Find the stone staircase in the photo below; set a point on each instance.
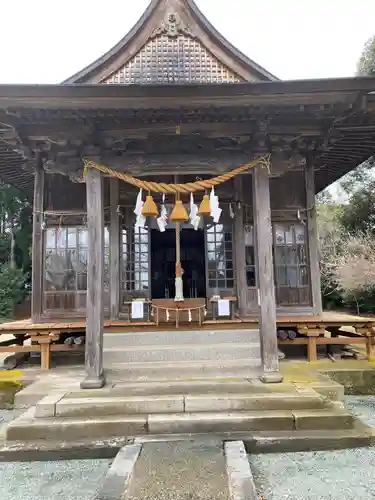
(181, 355)
(156, 408)
(177, 383)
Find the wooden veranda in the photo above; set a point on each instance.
(330, 328)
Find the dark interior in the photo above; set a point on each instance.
(163, 260)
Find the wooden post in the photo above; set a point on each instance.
(313, 238)
(266, 286)
(95, 282)
(37, 243)
(114, 249)
(239, 249)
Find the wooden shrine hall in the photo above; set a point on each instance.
(175, 104)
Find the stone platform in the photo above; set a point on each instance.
(303, 412)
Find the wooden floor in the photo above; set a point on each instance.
(331, 328)
(327, 319)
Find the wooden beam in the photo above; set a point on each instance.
(266, 286)
(114, 249)
(37, 243)
(95, 282)
(239, 249)
(313, 237)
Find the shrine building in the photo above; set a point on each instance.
(169, 117)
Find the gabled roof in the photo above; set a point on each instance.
(165, 21)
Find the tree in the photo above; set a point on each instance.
(353, 269)
(13, 220)
(359, 213)
(366, 63)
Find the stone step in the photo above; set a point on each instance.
(184, 370)
(173, 337)
(29, 428)
(178, 403)
(177, 387)
(182, 352)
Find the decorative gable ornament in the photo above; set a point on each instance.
(172, 26)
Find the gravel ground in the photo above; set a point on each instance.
(335, 475)
(65, 480)
(62, 480)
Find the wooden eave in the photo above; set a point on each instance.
(350, 101)
(293, 92)
(143, 30)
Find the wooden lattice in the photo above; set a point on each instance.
(180, 59)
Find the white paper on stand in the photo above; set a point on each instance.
(137, 309)
(223, 307)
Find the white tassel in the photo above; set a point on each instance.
(162, 221)
(167, 315)
(215, 209)
(139, 204)
(140, 220)
(231, 211)
(190, 317)
(205, 312)
(193, 216)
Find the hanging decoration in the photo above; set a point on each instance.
(205, 207)
(162, 221)
(215, 209)
(193, 216)
(179, 213)
(149, 208)
(208, 206)
(231, 211)
(140, 219)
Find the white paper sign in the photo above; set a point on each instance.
(223, 307)
(137, 309)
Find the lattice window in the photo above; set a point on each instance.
(135, 263)
(180, 59)
(65, 267)
(220, 257)
(291, 263)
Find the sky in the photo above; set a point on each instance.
(46, 42)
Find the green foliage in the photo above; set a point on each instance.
(359, 213)
(12, 289)
(366, 64)
(15, 244)
(359, 177)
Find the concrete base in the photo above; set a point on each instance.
(271, 378)
(93, 382)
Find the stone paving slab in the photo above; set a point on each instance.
(180, 470)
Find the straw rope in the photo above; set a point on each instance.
(189, 187)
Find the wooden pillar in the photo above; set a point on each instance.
(266, 286)
(37, 243)
(240, 253)
(114, 249)
(95, 282)
(313, 238)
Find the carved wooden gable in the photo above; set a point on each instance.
(173, 55)
(172, 43)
